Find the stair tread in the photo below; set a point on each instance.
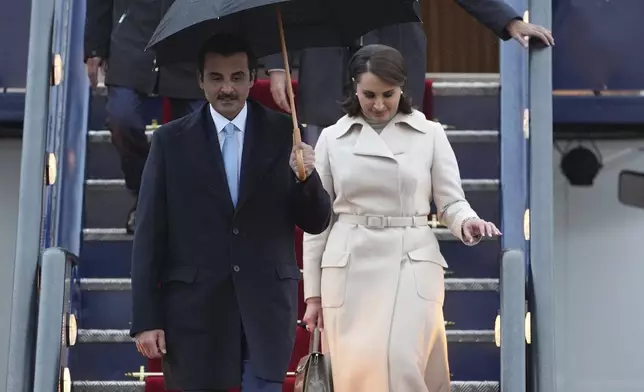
(139, 386)
(483, 184)
(451, 284)
(123, 336)
(465, 88)
(102, 136)
(116, 234)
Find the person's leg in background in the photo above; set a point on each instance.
(127, 127)
(183, 107)
(311, 133)
(132, 145)
(320, 91)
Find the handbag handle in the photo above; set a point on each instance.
(316, 336)
(314, 343)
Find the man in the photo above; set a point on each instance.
(116, 34)
(322, 70)
(216, 217)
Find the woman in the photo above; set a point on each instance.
(373, 281)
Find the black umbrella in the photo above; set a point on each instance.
(268, 25)
(307, 23)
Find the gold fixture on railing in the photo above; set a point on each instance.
(51, 169)
(526, 225)
(72, 330)
(434, 223)
(57, 70)
(497, 330)
(65, 382)
(527, 329)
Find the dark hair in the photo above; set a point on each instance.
(227, 44)
(383, 61)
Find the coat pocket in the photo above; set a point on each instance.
(184, 297)
(428, 265)
(180, 273)
(333, 287)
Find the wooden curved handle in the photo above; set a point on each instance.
(297, 136)
(301, 172)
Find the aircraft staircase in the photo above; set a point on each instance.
(104, 357)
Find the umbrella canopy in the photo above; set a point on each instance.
(307, 23)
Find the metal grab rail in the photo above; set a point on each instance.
(57, 325)
(28, 244)
(513, 321)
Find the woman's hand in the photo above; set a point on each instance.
(313, 314)
(476, 228)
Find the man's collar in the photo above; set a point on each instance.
(239, 121)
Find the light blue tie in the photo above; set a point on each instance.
(230, 151)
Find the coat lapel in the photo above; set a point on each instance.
(369, 142)
(391, 141)
(396, 134)
(202, 147)
(261, 148)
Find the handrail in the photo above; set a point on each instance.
(542, 280)
(55, 319)
(24, 297)
(56, 122)
(513, 315)
(71, 143)
(513, 143)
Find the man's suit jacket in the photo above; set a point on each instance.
(119, 31)
(322, 72)
(221, 268)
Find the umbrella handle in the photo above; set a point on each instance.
(299, 157)
(297, 136)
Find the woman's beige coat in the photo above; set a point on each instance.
(382, 289)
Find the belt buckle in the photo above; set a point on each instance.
(375, 221)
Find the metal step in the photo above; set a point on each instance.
(468, 184)
(139, 386)
(94, 234)
(123, 336)
(125, 284)
(463, 76)
(469, 88)
(455, 136)
(472, 136)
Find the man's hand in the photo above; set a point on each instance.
(151, 344)
(93, 64)
(278, 89)
(308, 156)
(522, 32)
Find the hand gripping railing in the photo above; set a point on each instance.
(513, 321)
(56, 323)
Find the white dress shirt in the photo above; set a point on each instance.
(239, 121)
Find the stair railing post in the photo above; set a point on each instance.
(513, 313)
(542, 208)
(513, 138)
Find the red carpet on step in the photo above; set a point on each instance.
(261, 92)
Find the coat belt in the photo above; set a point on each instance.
(382, 222)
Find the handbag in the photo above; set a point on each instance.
(313, 373)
